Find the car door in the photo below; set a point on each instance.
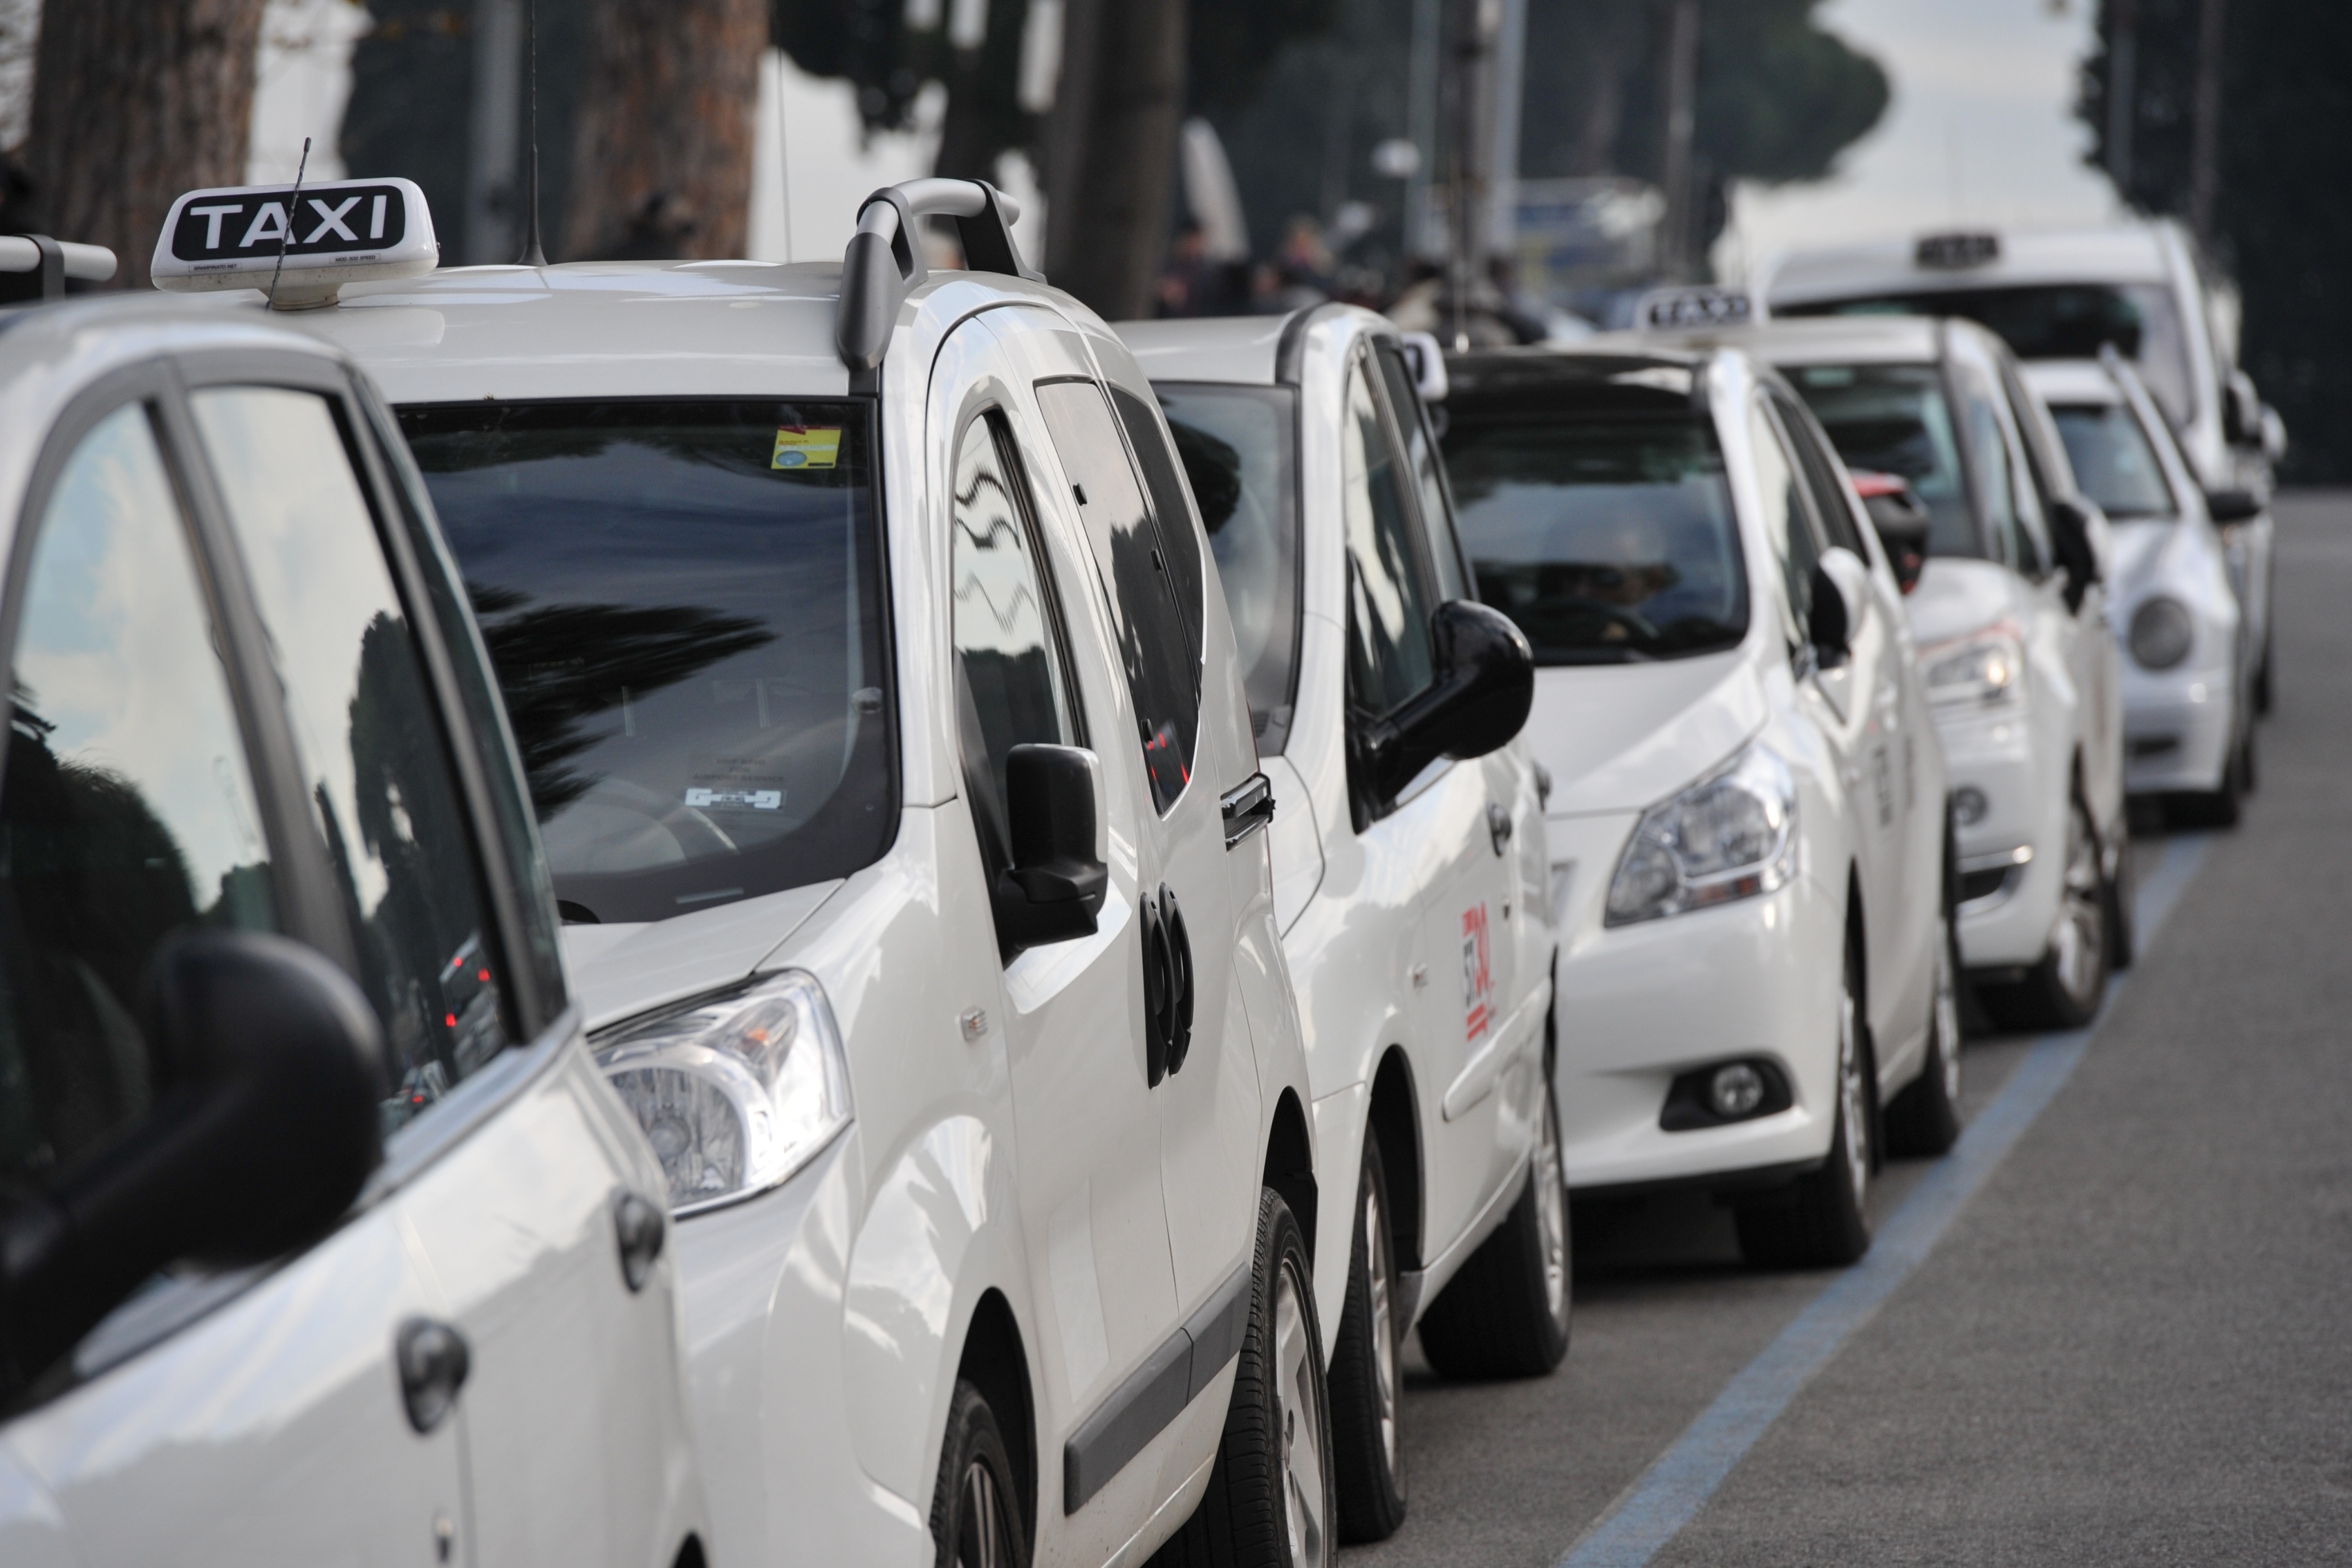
(139, 801)
(539, 1226)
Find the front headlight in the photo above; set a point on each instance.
(1986, 669)
(2162, 632)
(1730, 836)
(736, 1093)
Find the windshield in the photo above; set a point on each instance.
(2113, 461)
(1237, 444)
(2058, 320)
(1606, 537)
(1895, 419)
(682, 600)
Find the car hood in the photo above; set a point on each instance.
(1617, 737)
(1958, 596)
(620, 970)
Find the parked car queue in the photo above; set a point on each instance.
(808, 1054)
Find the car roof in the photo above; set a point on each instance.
(2076, 381)
(2117, 253)
(1843, 339)
(1631, 373)
(1242, 349)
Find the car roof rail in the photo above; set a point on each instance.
(885, 260)
(55, 260)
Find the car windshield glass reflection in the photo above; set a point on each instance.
(1895, 419)
(2057, 321)
(2113, 461)
(1606, 538)
(682, 603)
(1236, 446)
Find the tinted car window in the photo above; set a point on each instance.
(1011, 688)
(1897, 419)
(1428, 477)
(1239, 446)
(1178, 542)
(2059, 321)
(1831, 507)
(683, 602)
(1389, 657)
(126, 809)
(1785, 521)
(374, 761)
(2113, 461)
(1161, 675)
(1607, 537)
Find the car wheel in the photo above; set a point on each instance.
(2220, 807)
(1823, 1220)
(2262, 677)
(976, 1509)
(1369, 1460)
(1925, 1119)
(2123, 938)
(2064, 990)
(1269, 1502)
(1507, 1314)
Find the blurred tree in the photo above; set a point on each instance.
(2279, 223)
(133, 102)
(662, 155)
(1110, 149)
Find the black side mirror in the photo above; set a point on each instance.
(1829, 625)
(2226, 507)
(1485, 685)
(2070, 539)
(266, 1125)
(1053, 889)
(2241, 410)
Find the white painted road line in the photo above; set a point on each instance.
(1670, 1493)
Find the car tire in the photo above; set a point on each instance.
(1508, 1313)
(1367, 1389)
(2262, 677)
(2064, 990)
(1925, 1119)
(1269, 1502)
(976, 1507)
(1823, 1220)
(2218, 809)
(2123, 936)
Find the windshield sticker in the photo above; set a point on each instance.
(806, 447)
(1477, 974)
(752, 799)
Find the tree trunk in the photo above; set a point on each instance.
(1111, 150)
(664, 162)
(133, 102)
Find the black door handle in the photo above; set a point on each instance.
(1167, 987)
(640, 1227)
(1180, 975)
(433, 1360)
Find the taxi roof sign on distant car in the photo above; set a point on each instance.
(1957, 252)
(330, 234)
(1702, 306)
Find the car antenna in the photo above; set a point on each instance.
(293, 205)
(533, 254)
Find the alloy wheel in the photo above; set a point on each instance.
(1298, 1387)
(1948, 1011)
(980, 1523)
(1853, 1103)
(1552, 1212)
(1383, 1325)
(2079, 945)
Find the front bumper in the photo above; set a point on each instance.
(2176, 733)
(2018, 847)
(1638, 1003)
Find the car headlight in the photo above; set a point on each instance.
(736, 1093)
(2162, 632)
(1985, 669)
(1730, 836)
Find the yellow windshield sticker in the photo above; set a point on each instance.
(807, 446)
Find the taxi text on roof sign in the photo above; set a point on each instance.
(1698, 306)
(330, 234)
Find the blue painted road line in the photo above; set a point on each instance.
(1670, 1494)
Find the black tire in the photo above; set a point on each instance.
(1269, 1502)
(2262, 677)
(2220, 807)
(2064, 990)
(2123, 935)
(1508, 1314)
(975, 1506)
(1368, 1453)
(1823, 1220)
(1925, 1119)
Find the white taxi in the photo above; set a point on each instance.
(887, 740)
(316, 1208)
(2010, 614)
(1751, 869)
(1409, 861)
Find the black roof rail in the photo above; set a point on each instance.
(885, 259)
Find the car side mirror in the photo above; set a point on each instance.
(1426, 360)
(1485, 687)
(266, 1125)
(2070, 540)
(1053, 889)
(2241, 410)
(2226, 507)
(1840, 588)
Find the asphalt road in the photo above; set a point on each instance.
(2121, 1334)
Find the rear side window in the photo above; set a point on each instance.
(126, 812)
(1153, 638)
(375, 764)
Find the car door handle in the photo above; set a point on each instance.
(640, 1227)
(1499, 827)
(1246, 807)
(433, 1360)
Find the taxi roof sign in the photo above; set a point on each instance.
(1664, 310)
(331, 234)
